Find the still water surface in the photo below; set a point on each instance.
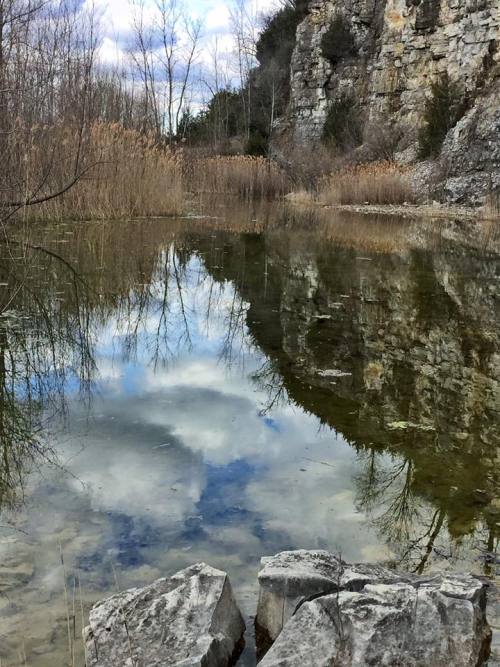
(221, 390)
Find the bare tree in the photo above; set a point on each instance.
(142, 56)
(47, 57)
(163, 53)
(179, 37)
(245, 30)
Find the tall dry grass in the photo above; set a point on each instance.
(491, 209)
(132, 176)
(127, 175)
(377, 183)
(242, 175)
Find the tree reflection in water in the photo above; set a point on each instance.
(405, 520)
(58, 293)
(45, 342)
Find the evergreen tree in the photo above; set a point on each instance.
(443, 110)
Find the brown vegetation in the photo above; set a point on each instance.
(245, 176)
(79, 141)
(491, 210)
(377, 183)
(128, 175)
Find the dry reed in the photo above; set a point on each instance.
(127, 174)
(132, 176)
(377, 183)
(491, 209)
(245, 176)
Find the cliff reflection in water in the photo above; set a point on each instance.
(398, 352)
(223, 389)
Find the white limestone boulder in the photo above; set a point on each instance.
(291, 577)
(387, 621)
(188, 620)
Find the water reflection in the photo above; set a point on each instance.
(219, 391)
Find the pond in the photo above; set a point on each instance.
(220, 389)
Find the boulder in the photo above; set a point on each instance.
(188, 620)
(293, 577)
(367, 615)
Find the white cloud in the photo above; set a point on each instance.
(116, 19)
(218, 19)
(115, 16)
(110, 52)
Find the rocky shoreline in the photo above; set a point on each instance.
(314, 610)
(413, 211)
(434, 211)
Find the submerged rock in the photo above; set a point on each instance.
(17, 564)
(189, 619)
(324, 611)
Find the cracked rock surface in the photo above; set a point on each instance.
(188, 620)
(322, 611)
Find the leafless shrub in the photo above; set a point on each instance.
(307, 164)
(382, 141)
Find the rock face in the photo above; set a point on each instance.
(471, 151)
(400, 48)
(325, 612)
(190, 619)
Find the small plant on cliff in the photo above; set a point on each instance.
(342, 127)
(257, 144)
(443, 110)
(338, 43)
(427, 15)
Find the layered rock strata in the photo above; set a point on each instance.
(400, 48)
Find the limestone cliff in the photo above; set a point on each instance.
(400, 48)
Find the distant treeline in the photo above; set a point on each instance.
(244, 118)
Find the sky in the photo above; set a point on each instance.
(115, 20)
